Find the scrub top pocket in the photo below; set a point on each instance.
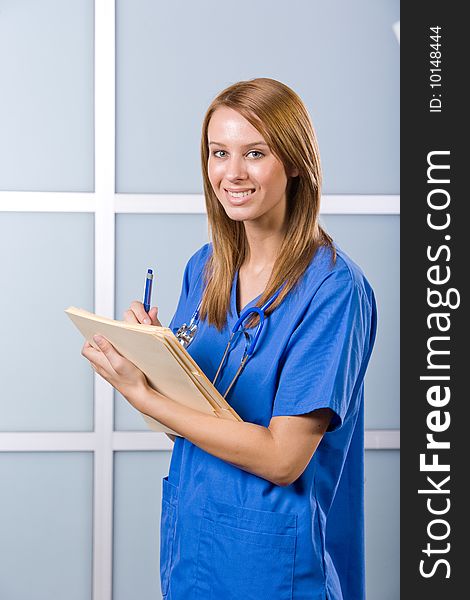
(245, 553)
(167, 531)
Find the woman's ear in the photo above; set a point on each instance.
(294, 172)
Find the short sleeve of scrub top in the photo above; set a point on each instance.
(227, 533)
(324, 354)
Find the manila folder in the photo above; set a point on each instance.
(147, 347)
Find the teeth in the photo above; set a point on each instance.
(239, 194)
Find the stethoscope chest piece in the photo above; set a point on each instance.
(186, 333)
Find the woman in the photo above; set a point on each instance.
(271, 507)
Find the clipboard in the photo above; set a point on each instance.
(168, 366)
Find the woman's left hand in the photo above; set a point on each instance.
(117, 370)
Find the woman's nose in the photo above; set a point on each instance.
(235, 168)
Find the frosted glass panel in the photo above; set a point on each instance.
(382, 510)
(374, 243)
(46, 265)
(46, 104)
(342, 58)
(46, 525)
(137, 504)
(164, 243)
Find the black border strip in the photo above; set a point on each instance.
(434, 443)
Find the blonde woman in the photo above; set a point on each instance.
(271, 507)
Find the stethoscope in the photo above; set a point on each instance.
(186, 333)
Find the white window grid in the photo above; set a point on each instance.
(105, 204)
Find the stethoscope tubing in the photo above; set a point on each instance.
(186, 338)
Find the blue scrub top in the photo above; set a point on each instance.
(227, 534)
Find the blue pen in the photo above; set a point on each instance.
(148, 289)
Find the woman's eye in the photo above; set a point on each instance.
(220, 153)
(255, 154)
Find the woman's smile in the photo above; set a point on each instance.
(239, 197)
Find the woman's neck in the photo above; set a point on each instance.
(263, 248)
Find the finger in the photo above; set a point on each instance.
(87, 350)
(95, 357)
(98, 361)
(153, 314)
(102, 372)
(112, 355)
(139, 311)
(92, 354)
(130, 317)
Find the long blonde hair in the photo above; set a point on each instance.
(280, 116)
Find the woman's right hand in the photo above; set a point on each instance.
(136, 314)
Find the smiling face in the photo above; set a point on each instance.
(247, 178)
